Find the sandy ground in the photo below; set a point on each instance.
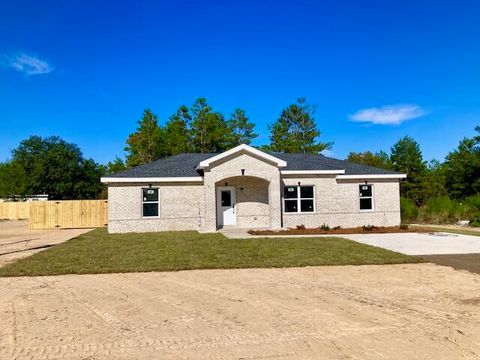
(421, 311)
(17, 241)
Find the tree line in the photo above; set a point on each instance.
(457, 177)
(434, 191)
(53, 166)
(201, 129)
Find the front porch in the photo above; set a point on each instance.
(242, 202)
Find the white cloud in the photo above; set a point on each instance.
(26, 64)
(388, 115)
(327, 152)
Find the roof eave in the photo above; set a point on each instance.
(110, 180)
(371, 176)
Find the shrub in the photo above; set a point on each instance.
(445, 210)
(475, 222)
(325, 227)
(403, 226)
(337, 228)
(300, 227)
(474, 203)
(408, 209)
(368, 227)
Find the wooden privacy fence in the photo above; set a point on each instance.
(67, 214)
(14, 210)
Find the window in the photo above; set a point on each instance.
(366, 197)
(226, 198)
(150, 202)
(299, 199)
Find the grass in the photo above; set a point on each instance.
(99, 252)
(444, 229)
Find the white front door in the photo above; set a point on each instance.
(226, 206)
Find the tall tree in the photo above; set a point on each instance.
(209, 128)
(379, 159)
(55, 167)
(115, 166)
(296, 131)
(406, 157)
(432, 182)
(12, 179)
(177, 132)
(147, 142)
(240, 129)
(462, 168)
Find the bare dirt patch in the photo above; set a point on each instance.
(18, 241)
(470, 262)
(420, 311)
(339, 231)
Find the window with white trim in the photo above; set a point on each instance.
(366, 197)
(299, 199)
(150, 202)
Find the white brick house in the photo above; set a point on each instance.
(248, 188)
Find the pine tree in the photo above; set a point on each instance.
(406, 157)
(147, 142)
(177, 132)
(240, 129)
(209, 129)
(296, 131)
(462, 168)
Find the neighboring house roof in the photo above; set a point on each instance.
(189, 166)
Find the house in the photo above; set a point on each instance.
(37, 197)
(249, 188)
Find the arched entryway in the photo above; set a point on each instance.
(242, 201)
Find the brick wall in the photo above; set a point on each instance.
(337, 203)
(180, 208)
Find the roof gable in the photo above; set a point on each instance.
(239, 149)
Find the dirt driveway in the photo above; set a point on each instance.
(17, 241)
(420, 311)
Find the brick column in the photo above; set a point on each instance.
(210, 207)
(275, 201)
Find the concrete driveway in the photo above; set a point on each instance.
(421, 244)
(17, 241)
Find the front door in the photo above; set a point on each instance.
(226, 206)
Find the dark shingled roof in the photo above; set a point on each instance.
(184, 165)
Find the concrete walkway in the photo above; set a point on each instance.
(406, 243)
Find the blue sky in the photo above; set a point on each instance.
(85, 70)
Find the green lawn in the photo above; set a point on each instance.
(100, 252)
(440, 228)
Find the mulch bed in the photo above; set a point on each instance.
(357, 230)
